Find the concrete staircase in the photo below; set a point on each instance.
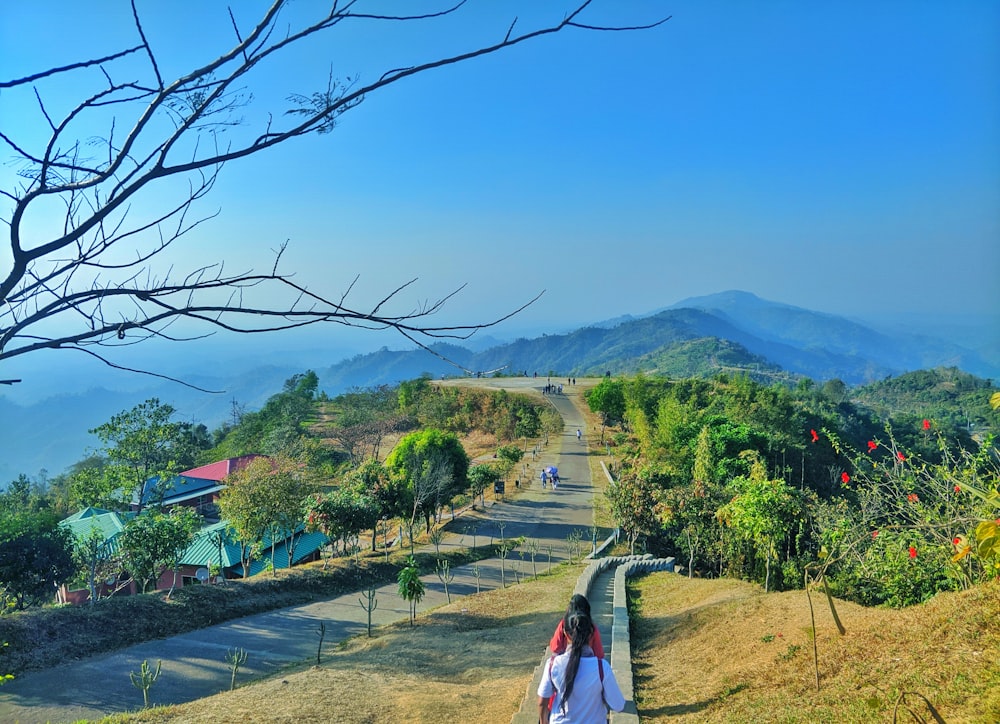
(603, 583)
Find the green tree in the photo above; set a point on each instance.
(762, 512)
(481, 477)
(433, 466)
(342, 514)
(97, 559)
(634, 503)
(286, 493)
(410, 587)
(378, 492)
(33, 563)
(508, 456)
(143, 450)
(528, 424)
(608, 398)
(245, 504)
(153, 543)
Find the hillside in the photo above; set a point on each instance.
(683, 641)
(950, 396)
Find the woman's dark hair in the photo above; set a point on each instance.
(577, 604)
(579, 628)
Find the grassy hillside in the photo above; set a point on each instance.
(703, 651)
(721, 651)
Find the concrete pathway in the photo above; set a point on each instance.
(194, 664)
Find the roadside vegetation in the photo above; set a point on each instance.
(787, 485)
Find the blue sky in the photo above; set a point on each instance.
(843, 158)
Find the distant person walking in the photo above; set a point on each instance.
(578, 434)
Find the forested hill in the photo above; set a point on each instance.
(730, 330)
(948, 395)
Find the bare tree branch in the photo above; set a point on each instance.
(94, 285)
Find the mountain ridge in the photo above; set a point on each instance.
(700, 335)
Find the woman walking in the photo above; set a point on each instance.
(583, 684)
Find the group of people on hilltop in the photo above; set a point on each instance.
(578, 687)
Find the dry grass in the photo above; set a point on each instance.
(723, 651)
(470, 661)
(703, 651)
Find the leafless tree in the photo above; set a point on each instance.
(92, 285)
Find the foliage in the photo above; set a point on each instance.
(280, 427)
(33, 563)
(143, 450)
(410, 587)
(955, 400)
(433, 467)
(263, 499)
(153, 543)
(481, 477)
(901, 510)
(96, 558)
(633, 503)
(341, 514)
(608, 399)
(762, 512)
(761, 481)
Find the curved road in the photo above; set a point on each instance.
(194, 664)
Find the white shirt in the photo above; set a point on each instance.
(585, 705)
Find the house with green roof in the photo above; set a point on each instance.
(214, 545)
(108, 524)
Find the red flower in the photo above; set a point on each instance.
(912, 497)
(815, 437)
(957, 541)
(872, 445)
(901, 456)
(958, 488)
(874, 534)
(927, 424)
(913, 552)
(845, 478)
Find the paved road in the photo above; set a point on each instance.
(194, 664)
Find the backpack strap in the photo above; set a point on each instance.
(600, 673)
(555, 690)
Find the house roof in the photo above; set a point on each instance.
(107, 522)
(204, 549)
(306, 544)
(218, 471)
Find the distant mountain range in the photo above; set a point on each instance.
(695, 337)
